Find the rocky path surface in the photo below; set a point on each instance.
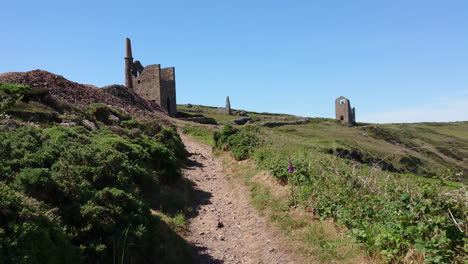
(224, 227)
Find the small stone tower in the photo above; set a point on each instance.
(152, 82)
(228, 106)
(344, 113)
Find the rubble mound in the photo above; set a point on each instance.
(83, 94)
(129, 96)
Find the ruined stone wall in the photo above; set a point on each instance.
(343, 111)
(151, 82)
(147, 85)
(168, 90)
(137, 69)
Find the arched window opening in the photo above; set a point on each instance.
(342, 101)
(341, 118)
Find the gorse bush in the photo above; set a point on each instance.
(132, 123)
(10, 94)
(102, 112)
(72, 196)
(15, 89)
(240, 142)
(30, 233)
(172, 140)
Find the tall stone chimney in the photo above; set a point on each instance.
(228, 106)
(128, 64)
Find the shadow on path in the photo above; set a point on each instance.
(200, 198)
(203, 258)
(192, 164)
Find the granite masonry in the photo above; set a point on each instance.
(344, 113)
(152, 82)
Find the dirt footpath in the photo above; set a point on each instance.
(224, 226)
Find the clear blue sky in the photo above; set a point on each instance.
(397, 61)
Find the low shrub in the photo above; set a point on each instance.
(15, 89)
(102, 112)
(30, 232)
(151, 128)
(68, 193)
(172, 140)
(11, 94)
(132, 123)
(240, 142)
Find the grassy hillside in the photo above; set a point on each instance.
(396, 188)
(425, 149)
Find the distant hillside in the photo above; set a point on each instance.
(425, 149)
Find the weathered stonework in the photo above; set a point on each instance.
(344, 113)
(152, 82)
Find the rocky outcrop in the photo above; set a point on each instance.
(197, 118)
(242, 121)
(9, 124)
(89, 125)
(201, 120)
(240, 113)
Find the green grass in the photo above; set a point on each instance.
(179, 220)
(201, 133)
(208, 112)
(315, 239)
(326, 247)
(220, 118)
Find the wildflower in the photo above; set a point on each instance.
(290, 167)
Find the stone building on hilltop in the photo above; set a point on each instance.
(344, 113)
(152, 82)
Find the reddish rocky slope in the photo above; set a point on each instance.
(82, 94)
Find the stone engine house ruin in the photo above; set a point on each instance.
(344, 113)
(152, 82)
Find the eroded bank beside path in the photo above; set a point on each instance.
(224, 226)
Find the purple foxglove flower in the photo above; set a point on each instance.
(290, 168)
